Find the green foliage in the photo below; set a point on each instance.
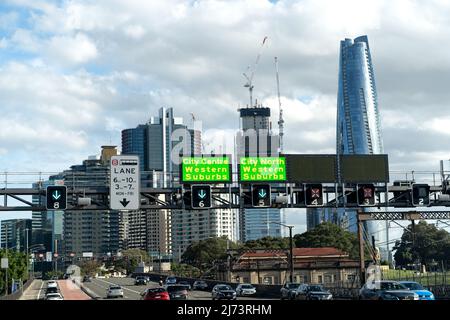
(267, 243)
(89, 267)
(17, 262)
(204, 253)
(426, 244)
(329, 235)
(185, 270)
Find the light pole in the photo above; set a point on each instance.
(291, 249)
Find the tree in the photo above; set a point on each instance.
(267, 243)
(204, 253)
(424, 243)
(328, 234)
(17, 267)
(89, 267)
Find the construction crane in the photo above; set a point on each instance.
(280, 117)
(249, 78)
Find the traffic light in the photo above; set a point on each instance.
(313, 195)
(56, 197)
(261, 195)
(420, 195)
(366, 195)
(201, 197)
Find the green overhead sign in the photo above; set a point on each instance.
(252, 169)
(206, 169)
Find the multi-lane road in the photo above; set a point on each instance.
(99, 287)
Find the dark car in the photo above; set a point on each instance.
(177, 292)
(185, 283)
(51, 290)
(171, 280)
(312, 292)
(140, 281)
(87, 279)
(200, 285)
(288, 290)
(156, 294)
(223, 291)
(386, 290)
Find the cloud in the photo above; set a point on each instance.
(91, 68)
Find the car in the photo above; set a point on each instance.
(417, 288)
(185, 283)
(53, 296)
(155, 294)
(140, 281)
(87, 279)
(171, 280)
(52, 284)
(244, 289)
(51, 290)
(386, 290)
(312, 292)
(177, 292)
(287, 291)
(200, 285)
(114, 291)
(223, 291)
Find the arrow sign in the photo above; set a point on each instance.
(262, 193)
(124, 202)
(202, 194)
(56, 195)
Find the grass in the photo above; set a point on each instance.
(426, 279)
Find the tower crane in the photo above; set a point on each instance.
(249, 78)
(280, 117)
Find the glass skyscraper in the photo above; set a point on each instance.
(358, 130)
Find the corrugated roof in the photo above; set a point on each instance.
(298, 252)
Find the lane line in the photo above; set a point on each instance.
(40, 289)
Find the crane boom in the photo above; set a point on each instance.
(280, 117)
(249, 78)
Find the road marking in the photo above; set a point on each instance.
(112, 283)
(40, 289)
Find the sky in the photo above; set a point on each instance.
(73, 74)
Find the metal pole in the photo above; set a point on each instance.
(291, 254)
(28, 256)
(362, 266)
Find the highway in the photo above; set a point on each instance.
(133, 292)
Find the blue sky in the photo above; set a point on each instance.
(78, 72)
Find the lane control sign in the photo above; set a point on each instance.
(124, 183)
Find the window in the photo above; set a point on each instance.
(320, 279)
(328, 278)
(351, 277)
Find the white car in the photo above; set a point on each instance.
(114, 292)
(245, 289)
(54, 296)
(52, 284)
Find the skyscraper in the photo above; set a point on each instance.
(256, 139)
(358, 130)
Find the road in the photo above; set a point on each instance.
(133, 292)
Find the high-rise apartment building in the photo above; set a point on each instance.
(256, 139)
(15, 234)
(358, 129)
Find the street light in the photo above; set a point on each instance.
(291, 249)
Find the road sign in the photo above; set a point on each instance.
(366, 195)
(48, 256)
(124, 183)
(4, 263)
(420, 195)
(56, 197)
(313, 195)
(255, 169)
(201, 196)
(261, 195)
(206, 169)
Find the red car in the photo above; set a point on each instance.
(156, 294)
